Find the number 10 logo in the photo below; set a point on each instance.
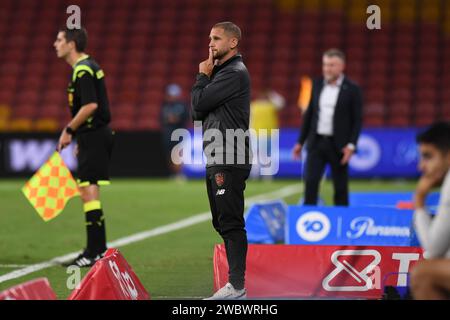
(313, 226)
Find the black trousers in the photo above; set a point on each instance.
(225, 186)
(321, 153)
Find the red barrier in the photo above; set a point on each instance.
(287, 271)
(38, 289)
(111, 278)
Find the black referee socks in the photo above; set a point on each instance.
(95, 227)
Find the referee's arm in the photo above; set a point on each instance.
(89, 105)
(88, 101)
(81, 117)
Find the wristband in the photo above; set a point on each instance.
(70, 131)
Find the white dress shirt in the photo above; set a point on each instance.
(327, 104)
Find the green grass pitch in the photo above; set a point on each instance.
(170, 266)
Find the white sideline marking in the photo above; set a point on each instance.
(198, 218)
(6, 266)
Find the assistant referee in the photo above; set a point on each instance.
(89, 106)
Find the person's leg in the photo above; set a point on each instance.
(95, 222)
(315, 166)
(228, 185)
(234, 231)
(215, 213)
(95, 149)
(212, 199)
(339, 174)
(174, 158)
(430, 280)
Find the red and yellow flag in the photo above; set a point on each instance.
(50, 188)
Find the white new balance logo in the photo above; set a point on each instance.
(220, 192)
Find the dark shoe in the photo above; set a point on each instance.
(84, 260)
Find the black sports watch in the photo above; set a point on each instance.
(70, 131)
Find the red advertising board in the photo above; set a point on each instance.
(38, 289)
(288, 271)
(111, 278)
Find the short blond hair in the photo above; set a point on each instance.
(230, 28)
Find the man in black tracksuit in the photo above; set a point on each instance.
(221, 100)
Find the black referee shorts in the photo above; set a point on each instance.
(94, 155)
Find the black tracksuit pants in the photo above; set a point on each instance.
(225, 186)
(322, 152)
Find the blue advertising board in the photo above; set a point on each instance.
(384, 153)
(349, 226)
(388, 199)
(265, 222)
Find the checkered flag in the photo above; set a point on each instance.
(51, 187)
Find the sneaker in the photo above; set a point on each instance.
(84, 260)
(228, 292)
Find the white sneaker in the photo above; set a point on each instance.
(228, 292)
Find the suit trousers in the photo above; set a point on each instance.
(225, 186)
(321, 153)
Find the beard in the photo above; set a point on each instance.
(331, 78)
(220, 54)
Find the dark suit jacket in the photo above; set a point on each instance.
(347, 119)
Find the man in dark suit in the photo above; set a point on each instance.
(331, 127)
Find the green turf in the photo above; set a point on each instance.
(173, 265)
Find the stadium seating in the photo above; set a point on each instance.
(145, 45)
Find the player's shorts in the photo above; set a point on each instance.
(94, 155)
